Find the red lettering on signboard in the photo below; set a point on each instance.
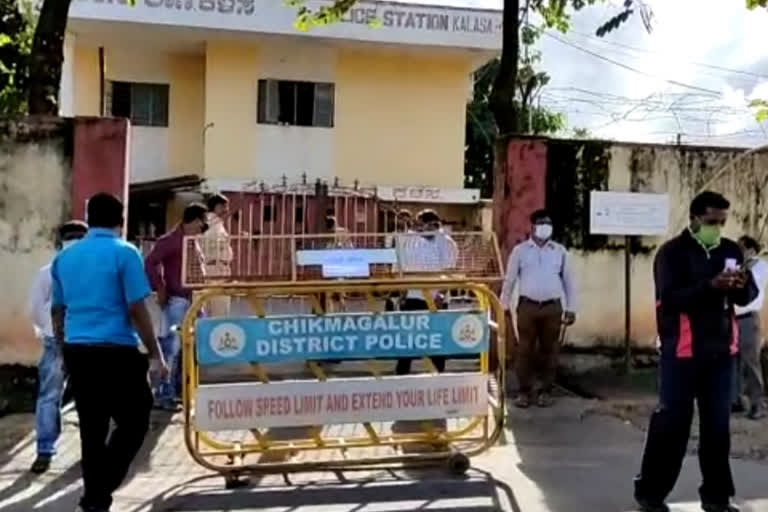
(465, 395)
(338, 402)
(308, 404)
(410, 398)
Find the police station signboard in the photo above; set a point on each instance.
(340, 336)
(302, 403)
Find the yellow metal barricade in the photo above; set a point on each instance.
(242, 433)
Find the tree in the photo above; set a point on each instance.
(47, 58)
(15, 46)
(481, 129)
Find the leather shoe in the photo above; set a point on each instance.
(713, 507)
(651, 506)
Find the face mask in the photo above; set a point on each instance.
(67, 243)
(708, 235)
(542, 231)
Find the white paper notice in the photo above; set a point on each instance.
(628, 213)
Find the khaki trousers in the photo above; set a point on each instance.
(218, 306)
(538, 327)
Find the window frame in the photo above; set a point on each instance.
(155, 93)
(268, 109)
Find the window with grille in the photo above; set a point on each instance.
(144, 104)
(295, 103)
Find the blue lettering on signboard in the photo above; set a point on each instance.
(340, 336)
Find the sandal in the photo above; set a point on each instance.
(544, 400)
(523, 401)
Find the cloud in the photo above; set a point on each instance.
(682, 78)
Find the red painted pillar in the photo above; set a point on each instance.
(100, 160)
(520, 189)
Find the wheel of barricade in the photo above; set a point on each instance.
(298, 375)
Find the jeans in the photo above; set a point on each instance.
(707, 381)
(110, 386)
(50, 371)
(170, 345)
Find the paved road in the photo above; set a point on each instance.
(559, 460)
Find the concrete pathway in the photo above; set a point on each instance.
(560, 460)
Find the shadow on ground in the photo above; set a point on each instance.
(59, 490)
(576, 459)
(388, 490)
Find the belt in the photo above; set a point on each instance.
(540, 303)
(217, 262)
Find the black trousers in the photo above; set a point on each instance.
(404, 365)
(109, 383)
(708, 382)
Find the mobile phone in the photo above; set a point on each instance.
(731, 264)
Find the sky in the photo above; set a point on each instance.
(692, 75)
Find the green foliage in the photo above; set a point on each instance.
(761, 112)
(306, 17)
(581, 133)
(557, 13)
(481, 129)
(630, 6)
(19, 19)
(760, 106)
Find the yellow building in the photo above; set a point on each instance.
(230, 92)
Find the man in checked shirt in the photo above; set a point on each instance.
(541, 268)
(428, 251)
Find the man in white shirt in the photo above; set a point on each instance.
(748, 376)
(217, 250)
(428, 251)
(50, 369)
(540, 268)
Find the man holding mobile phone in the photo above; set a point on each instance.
(699, 280)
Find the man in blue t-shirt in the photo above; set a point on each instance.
(98, 314)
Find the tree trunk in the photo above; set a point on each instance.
(502, 105)
(502, 100)
(47, 58)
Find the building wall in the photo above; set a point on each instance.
(86, 80)
(35, 180)
(291, 151)
(400, 118)
(48, 166)
(156, 152)
(186, 115)
(568, 170)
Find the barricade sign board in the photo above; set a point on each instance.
(245, 406)
(340, 336)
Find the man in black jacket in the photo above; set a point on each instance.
(699, 278)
